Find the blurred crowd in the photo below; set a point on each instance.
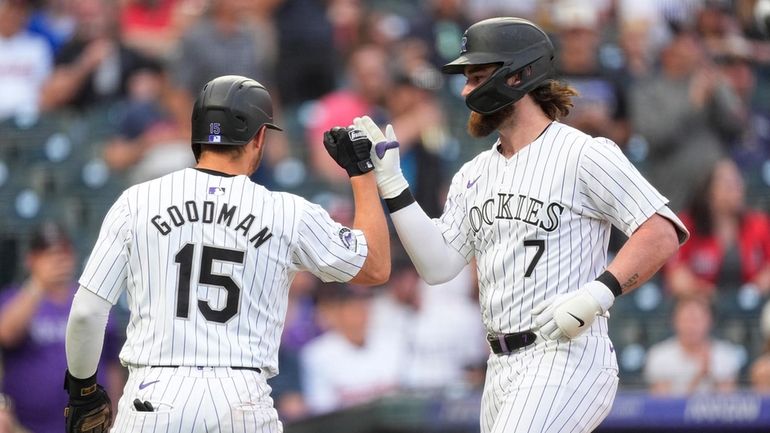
(683, 86)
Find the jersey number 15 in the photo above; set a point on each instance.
(185, 260)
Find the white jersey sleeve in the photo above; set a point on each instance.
(326, 248)
(453, 222)
(611, 188)
(106, 269)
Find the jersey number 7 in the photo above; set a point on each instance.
(540, 244)
(185, 260)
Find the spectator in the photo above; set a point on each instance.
(448, 314)
(301, 322)
(715, 22)
(25, 61)
(692, 361)
(759, 372)
(395, 305)
(687, 113)
(601, 106)
(682, 13)
(343, 367)
(54, 20)
(153, 27)
(481, 9)
(224, 42)
(750, 149)
(368, 83)
(639, 56)
(149, 142)
(33, 319)
(287, 387)
(428, 321)
(232, 38)
(350, 25)
(729, 245)
(94, 67)
(306, 51)
(440, 25)
(653, 20)
(300, 327)
(415, 109)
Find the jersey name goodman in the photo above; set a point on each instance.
(206, 214)
(523, 208)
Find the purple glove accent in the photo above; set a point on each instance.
(381, 147)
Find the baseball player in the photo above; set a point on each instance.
(535, 211)
(206, 257)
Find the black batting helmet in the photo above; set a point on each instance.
(230, 110)
(517, 45)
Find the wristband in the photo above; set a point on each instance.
(400, 201)
(79, 388)
(611, 282)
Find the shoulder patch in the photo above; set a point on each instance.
(348, 239)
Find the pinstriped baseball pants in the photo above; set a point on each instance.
(558, 387)
(197, 399)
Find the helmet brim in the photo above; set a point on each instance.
(273, 126)
(457, 66)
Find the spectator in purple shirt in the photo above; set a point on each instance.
(33, 319)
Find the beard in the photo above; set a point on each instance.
(481, 125)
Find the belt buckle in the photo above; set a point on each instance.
(503, 344)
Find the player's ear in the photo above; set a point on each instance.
(259, 138)
(515, 79)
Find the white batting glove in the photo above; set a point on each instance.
(570, 314)
(387, 165)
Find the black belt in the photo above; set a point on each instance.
(258, 370)
(507, 343)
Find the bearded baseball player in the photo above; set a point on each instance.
(206, 257)
(535, 211)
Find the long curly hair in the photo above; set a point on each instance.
(555, 98)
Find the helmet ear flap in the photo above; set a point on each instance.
(495, 93)
(486, 101)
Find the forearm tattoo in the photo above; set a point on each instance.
(631, 281)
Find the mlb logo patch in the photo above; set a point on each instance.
(464, 45)
(215, 138)
(216, 190)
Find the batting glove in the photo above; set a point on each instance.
(387, 165)
(350, 149)
(89, 409)
(569, 315)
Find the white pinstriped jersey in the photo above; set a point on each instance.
(539, 222)
(207, 260)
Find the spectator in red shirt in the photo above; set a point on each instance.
(729, 246)
(153, 27)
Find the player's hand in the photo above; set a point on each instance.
(350, 148)
(570, 314)
(89, 409)
(387, 165)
